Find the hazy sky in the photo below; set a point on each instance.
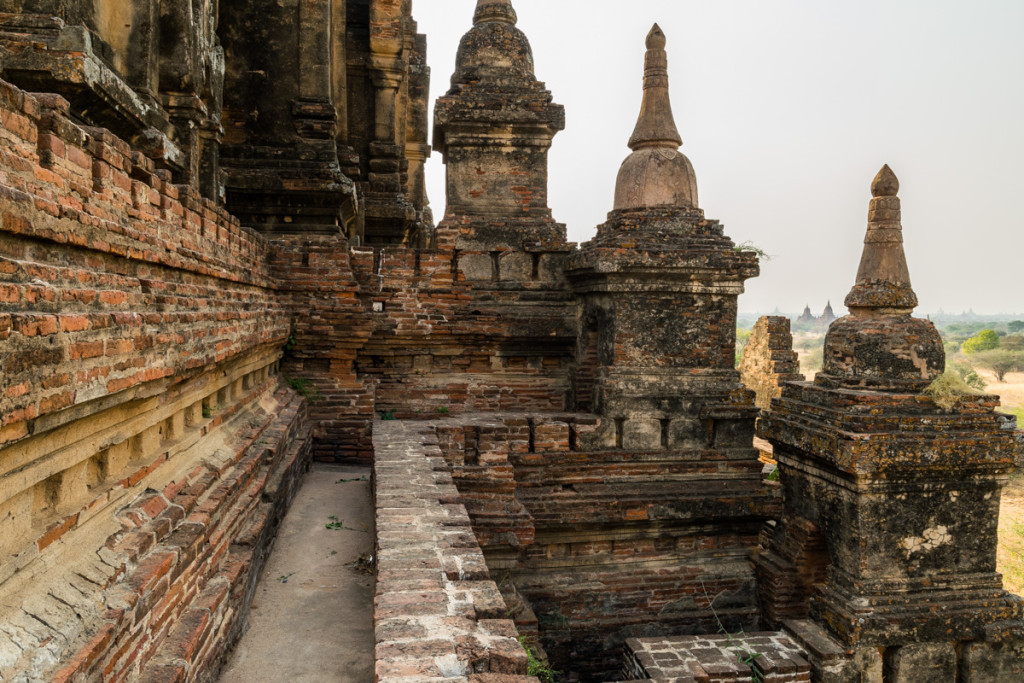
(787, 109)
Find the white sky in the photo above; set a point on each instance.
(787, 109)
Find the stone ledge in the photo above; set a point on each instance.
(437, 614)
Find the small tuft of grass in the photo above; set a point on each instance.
(538, 667)
(949, 389)
(304, 387)
(338, 525)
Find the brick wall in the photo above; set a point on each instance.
(148, 447)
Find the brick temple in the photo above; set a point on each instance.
(218, 264)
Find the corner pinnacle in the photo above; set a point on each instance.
(656, 126)
(883, 279)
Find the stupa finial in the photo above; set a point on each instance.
(883, 279)
(495, 10)
(656, 174)
(885, 184)
(656, 126)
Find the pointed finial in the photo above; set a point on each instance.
(886, 184)
(656, 174)
(883, 279)
(656, 39)
(656, 126)
(495, 10)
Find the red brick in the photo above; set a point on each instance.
(150, 571)
(85, 350)
(85, 658)
(113, 298)
(74, 323)
(56, 531)
(56, 402)
(36, 325)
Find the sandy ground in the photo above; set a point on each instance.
(312, 617)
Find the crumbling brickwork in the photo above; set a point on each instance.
(769, 360)
(217, 262)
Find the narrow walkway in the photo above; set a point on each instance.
(312, 616)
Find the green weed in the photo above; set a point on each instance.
(537, 667)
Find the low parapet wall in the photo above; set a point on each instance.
(437, 614)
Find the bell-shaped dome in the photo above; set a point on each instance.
(494, 49)
(656, 173)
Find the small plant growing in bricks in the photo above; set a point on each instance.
(538, 667)
(949, 389)
(752, 248)
(744, 653)
(304, 387)
(388, 415)
(443, 410)
(554, 619)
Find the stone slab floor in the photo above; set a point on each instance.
(312, 616)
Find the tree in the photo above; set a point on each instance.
(965, 372)
(985, 340)
(1016, 326)
(1000, 361)
(1014, 342)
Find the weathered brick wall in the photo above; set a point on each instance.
(328, 325)
(446, 340)
(111, 276)
(147, 446)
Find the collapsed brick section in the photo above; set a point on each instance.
(182, 572)
(437, 614)
(769, 360)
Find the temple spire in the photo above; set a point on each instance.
(656, 126)
(656, 174)
(883, 279)
(495, 10)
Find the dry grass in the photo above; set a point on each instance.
(1010, 558)
(1011, 512)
